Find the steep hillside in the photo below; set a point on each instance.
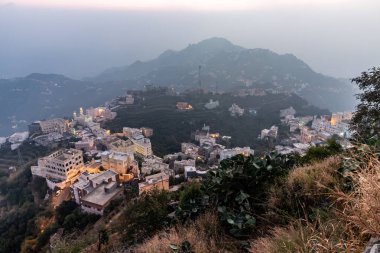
(225, 66)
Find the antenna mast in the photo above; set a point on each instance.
(199, 77)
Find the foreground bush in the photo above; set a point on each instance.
(239, 187)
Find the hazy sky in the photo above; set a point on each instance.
(83, 37)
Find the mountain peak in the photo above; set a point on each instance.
(215, 44)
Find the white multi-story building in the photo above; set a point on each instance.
(212, 104)
(235, 110)
(142, 145)
(269, 133)
(60, 166)
(228, 153)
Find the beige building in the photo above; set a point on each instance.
(146, 131)
(85, 144)
(62, 165)
(121, 163)
(99, 114)
(142, 145)
(53, 126)
(119, 145)
(157, 181)
(131, 132)
(184, 106)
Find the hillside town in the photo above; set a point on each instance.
(97, 165)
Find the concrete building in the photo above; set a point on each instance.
(100, 114)
(34, 128)
(184, 106)
(147, 132)
(235, 110)
(190, 149)
(157, 181)
(60, 166)
(154, 164)
(142, 146)
(129, 100)
(121, 163)
(190, 172)
(340, 116)
(85, 144)
(212, 104)
(269, 133)
(93, 192)
(131, 132)
(180, 165)
(228, 153)
(119, 145)
(287, 112)
(307, 135)
(251, 92)
(49, 126)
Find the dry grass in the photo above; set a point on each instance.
(204, 236)
(352, 217)
(304, 237)
(305, 189)
(361, 208)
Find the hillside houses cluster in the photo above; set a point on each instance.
(98, 164)
(310, 131)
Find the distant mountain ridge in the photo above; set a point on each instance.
(225, 66)
(41, 96)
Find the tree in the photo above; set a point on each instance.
(102, 238)
(366, 120)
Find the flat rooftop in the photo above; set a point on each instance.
(100, 197)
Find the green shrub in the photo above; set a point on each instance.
(239, 187)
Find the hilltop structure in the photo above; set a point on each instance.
(59, 168)
(93, 192)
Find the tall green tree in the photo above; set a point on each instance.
(366, 120)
